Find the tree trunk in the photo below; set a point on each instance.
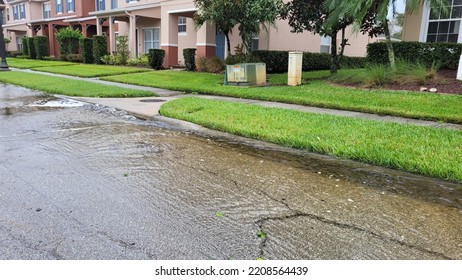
(344, 43)
(228, 43)
(391, 51)
(333, 51)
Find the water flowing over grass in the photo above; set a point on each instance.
(428, 151)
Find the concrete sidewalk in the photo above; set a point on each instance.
(148, 107)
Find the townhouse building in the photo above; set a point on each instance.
(159, 24)
(45, 18)
(169, 25)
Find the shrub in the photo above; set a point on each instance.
(68, 39)
(141, 61)
(190, 59)
(86, 45)
(122, 50)
(25, 46)
(15, 53)
(31, 48)
(446, 54)
(210, 64)
(316, 61)
(276, 61)
(215, 65)
(201, 64)
(234, 59)
(41, 46)
(99, 48)
(74, 57)
(50, 58)
(156, 58)
(351, 62)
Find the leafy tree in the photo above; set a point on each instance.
(312, 15)
(377, 11)
(222, 13)
(249, 15)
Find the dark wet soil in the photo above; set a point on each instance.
(445, 82)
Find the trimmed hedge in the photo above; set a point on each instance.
(86, 45)
(156, 58)
(25, 46)
(446, 54)
(41, 46)
(99, 48)
(316, 61)
(349, 62)
(31, 48)
(190, 59)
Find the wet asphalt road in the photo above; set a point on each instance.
(88, 182)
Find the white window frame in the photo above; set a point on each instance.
(324, 39)
(426, 22)
(59, 3)
(152, 41)
(182, 25)
(46, 4)
(68, 6)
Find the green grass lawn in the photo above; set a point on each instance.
(91, 70)
(57, 85)
(316, 93)
(33, 63)
(428, 151)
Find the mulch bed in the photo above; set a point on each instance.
(444, 82)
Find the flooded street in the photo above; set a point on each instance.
(86, 182)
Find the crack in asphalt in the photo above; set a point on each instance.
(296, 214)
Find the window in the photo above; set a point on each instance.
(22, 11)
(19, 43)
(181, 25)
(445, 28)
(59, 6)
(114, 4)
(100, 5)
(7, 14)
(255, 42)
(70, 7)
(151, 39)
(19, 11)
(46, 10)
(325, 44)
(3, 17)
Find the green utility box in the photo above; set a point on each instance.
(246, 74)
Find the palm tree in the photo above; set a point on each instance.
(379, 9)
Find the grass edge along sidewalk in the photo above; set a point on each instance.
(317, 93)
(69, 87)
(427, 151)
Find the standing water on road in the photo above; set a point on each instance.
(88, 182)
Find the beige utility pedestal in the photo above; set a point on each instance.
(459, 72)
(295, 68)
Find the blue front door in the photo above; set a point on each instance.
(221, 45)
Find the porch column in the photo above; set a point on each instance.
(112, 43)
(51, 40)
(169, 38)
(206, 43)
(84, 29)
(132, 36)
(99, 28)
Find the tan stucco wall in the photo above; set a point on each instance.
(412, 25)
